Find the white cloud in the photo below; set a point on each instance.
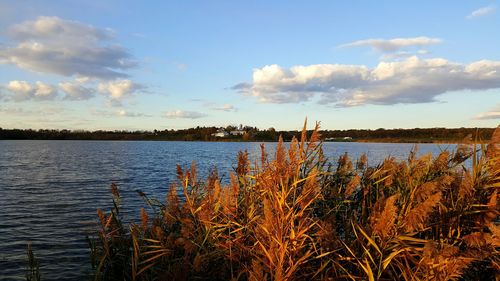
(181, 114)
(124, 113)
(58, 29)
(394, 45)
(484, 11)
(224, 107)
(81, 88)
(119, 89)
(412, 80)
(118, 113)
(77, 90)
(56, 46)
(22, 90)
(492, 114)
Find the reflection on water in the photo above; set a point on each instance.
(49, 190)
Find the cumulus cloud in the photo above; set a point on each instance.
(119, 89)
(225, 107)
(69, 48)
(393, 45)
(57, 29)
(22, 90)
(481, 12)
(181, 114)
(76, 90)
(56, 46)
(492, 114)
(412, 80)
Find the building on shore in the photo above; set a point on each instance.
(221, 134)
(237, 133)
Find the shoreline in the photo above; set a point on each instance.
(391, 141)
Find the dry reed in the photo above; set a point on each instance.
(296, 217)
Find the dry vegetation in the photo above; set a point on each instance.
(296, 217)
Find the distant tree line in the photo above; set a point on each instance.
(252, 134)
(413, 135)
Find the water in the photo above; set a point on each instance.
(49, 190)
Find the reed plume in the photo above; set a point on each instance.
(293, 215)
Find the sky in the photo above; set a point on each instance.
(144, 65)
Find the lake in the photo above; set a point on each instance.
(49, 190)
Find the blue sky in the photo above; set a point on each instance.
(175, 64)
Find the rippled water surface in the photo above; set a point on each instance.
(49, 190)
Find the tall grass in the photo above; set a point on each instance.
(33, 266)
(294, 216)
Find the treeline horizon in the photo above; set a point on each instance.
(253, 134)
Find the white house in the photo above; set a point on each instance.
(220, 134)
(237, 133)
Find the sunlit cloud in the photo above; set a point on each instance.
(124, 113)
(494, 113)
(412, 80)
(68, 48)
(22, 91)
(181, 114)
(119, 89)
(118, 113)
(481, 12)
(393, 45)
(52, 45)
(225, 107)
